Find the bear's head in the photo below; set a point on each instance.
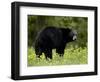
(72, 35)
(69, 34)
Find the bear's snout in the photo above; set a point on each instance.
(74, 38)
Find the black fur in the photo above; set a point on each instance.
(53, 38)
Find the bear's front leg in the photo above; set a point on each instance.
(60, 52)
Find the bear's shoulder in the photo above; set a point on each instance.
(65, 30)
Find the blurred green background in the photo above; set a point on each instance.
(80, 24)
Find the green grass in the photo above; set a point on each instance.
(72, 56)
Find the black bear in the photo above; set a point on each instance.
(53, 38)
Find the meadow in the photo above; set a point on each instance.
(76, 53)
(72, 56)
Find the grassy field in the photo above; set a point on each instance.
(72, 56)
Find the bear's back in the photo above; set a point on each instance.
(50, 36)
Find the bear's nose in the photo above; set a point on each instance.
(74, 37)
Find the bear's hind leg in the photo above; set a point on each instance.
(48, 54)
(38, 53)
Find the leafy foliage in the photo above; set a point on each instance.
(72, 56)
(36, 23)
